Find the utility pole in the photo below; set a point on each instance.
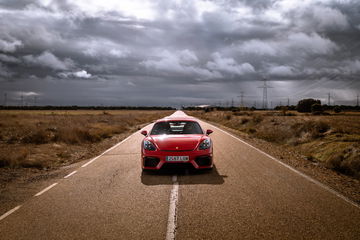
(265, 87)
(5, 99)
(254, 104)
(288, 102)
(22, 100)
(329, 99)
(241, 96)
(232, 102)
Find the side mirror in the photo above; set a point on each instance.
(209, 131)
(144, 132)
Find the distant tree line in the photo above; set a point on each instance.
(74, 107)
(305, 105)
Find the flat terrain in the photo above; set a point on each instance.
(326, 147)
(249, 195)
(39, 145)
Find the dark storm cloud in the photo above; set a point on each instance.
(142, 52)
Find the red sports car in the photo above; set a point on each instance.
(176, 141)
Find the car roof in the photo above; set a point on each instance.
(167, 119)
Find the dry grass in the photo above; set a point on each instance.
(333, 140)
(48, 139)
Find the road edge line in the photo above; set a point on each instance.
(70, 174)
(9, 212)
(106, 151)
(292, 169)
(46, 189)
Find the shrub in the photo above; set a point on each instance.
(316, 108)
(312, 128)
(305, 104)
(40, 136)
(257, 119)
(337, 109)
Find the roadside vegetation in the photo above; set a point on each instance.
(331, 139)
(47, 139)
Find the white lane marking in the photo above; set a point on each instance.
(70, 174)
(9, 212)
(46, 189)
(293, 169)
(174, 196)
(92, 160)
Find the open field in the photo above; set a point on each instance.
(37, 146)
(49, 139)
(332, 141)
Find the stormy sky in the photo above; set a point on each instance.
(172, 53)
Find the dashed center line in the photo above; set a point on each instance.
(9, 212)
(46, 189)
(172, 219)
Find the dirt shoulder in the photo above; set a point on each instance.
(291, 154)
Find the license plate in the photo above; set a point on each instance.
(177, 158)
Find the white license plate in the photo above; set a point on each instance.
(177, 158)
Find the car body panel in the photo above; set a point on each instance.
(176, 145)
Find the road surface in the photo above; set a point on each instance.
(249, 195)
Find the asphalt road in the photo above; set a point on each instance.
(248, 195)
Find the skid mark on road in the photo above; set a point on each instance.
(174, 196)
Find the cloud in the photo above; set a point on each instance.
(10, 46)
(29, 94)
(82, 74)
(180, 63)
(311, 43)
(311, 18)
(351, 67)
(282, 71)
(99, 47)
(179, 46)
(329, 18)
(259, 47)
(47, 59)
(4, 71)
(8, 59)
(76, 74)
(295, 43)
(229, 65)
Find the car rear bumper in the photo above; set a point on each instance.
(157, 159)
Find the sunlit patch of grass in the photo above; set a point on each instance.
(332, 139)
(24, 130)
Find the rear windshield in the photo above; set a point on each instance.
(176, 127)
